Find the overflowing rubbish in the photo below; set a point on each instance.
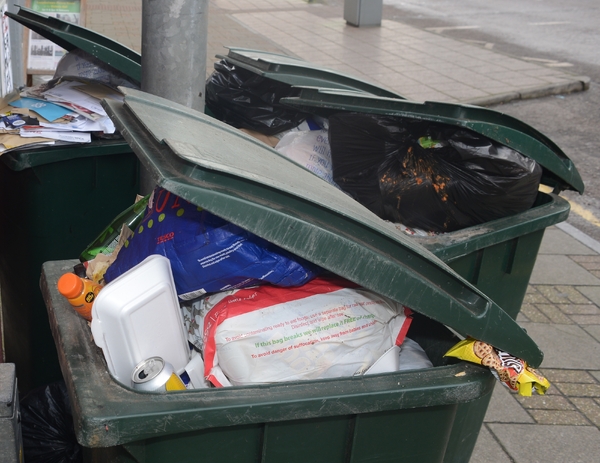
(64, 110)
(428, 177)
(511, 371)
(337, 327)
(257, 314)
(207, 253)
(254, 312)
(326, 328)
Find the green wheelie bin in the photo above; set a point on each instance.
(497, 257)
(428, 415)
(54, 200)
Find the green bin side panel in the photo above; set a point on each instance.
(498, 257)
(48, 212)
(414, 435)
(502, 271)
(465, 430)
(320, 440)
(239, 444)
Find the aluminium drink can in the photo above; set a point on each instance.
(156, 375)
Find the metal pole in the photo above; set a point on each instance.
(174, 37)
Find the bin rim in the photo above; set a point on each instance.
(298, 72)
(72, 36)
(239, 179)
(559, 171)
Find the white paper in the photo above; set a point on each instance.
(75, 137)
(84, 125)
(67, 91)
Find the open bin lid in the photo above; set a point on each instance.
(558, 170)
(71, 36)
(240, 179)
(297, 72)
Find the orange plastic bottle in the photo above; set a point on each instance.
(80, 292)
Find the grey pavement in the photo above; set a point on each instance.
(562, 307)
(421, 65)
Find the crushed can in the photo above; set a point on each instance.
(156, 375)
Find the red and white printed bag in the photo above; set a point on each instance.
(326, 328)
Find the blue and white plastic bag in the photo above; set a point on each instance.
(207, 254)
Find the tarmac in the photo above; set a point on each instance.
(562, 307)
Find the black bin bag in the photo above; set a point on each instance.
(47, 426)
(426, 175)
(244, 99)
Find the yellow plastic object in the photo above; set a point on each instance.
(510, 370)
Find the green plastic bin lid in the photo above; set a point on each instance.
(240, 179)
(300, 73)
(71, 36)
(558, 170)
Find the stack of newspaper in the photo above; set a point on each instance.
(65, 112)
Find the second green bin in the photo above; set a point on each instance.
(496, 256)
(53, 201)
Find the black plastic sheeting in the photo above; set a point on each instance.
(427, 175)
(47, 426)
(244, 99)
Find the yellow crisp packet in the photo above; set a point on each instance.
(512, 371)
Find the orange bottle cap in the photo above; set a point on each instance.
(70, 285)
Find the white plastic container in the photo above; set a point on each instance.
(137, 316)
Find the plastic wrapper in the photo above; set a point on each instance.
(47, 426)
(244, 99)
(326, 328)
(426, 175)
(80, 64)
(207, 254)
(513, 372)
(310, 149)
(413, 356)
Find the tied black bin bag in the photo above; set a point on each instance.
(243, 99)
(426, 175)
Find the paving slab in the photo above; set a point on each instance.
(591, 292)
(504, 408)
(544, 444)
(565, 346)
(488, 450)
(556, 269)
(594, 331)
(555, 239)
